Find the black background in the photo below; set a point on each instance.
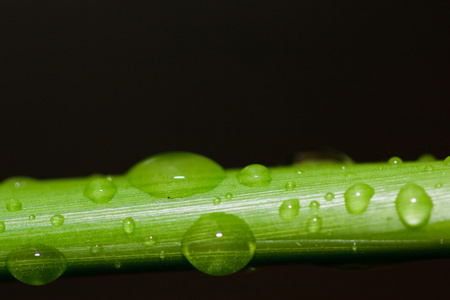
(95, 86)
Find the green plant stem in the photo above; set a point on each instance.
(376, 234)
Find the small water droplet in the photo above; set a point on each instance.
(57, 220)
(428, 168)
(14, 205)
(32, 217)
(447, 161)
(413, 206)
(320, 157)
(354, 247)
(314, 205)
(438, 185)
(290, 186)
(96, 249)
(217, 201)
(314, 224)
(100, 191)
(117, 265)
(228, 196)
(349, 175)
(219, 244)
(20, 182)
(289, 209)
(162, 255)
(427, 158)
(2, 227)
(36, 265)
(441, 241)
(149, 241)
(357, 198)
(254, 175)
(176, 174)
(329, 196)
(395, 160)
(128, 225)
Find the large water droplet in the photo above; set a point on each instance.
(314, 224)
(176, 174)
(357, 198)
(254, 175)
(329, 196)
(14, 205)
(413, 206)
(218, 244)
(323, 156)
(36, 265)
(2, 226)
(128, 225)
(427, 158)
(395, 160)
(100, 190)
(57, 220)
(289, 209)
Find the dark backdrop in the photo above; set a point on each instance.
(95, 86)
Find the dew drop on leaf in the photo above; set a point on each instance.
(357, 198)
(57, 220)
(13, 205)
(289, 209)
(413, 206)
(176, 174)
(128, 225)
(314, 206)
(329, 196)
(36, 265)
(395, 160)
(219, 244)
(100, 190)
(255, 175)
(314, 224)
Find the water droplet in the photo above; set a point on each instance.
(32, 217)
(57, 220)
(329, 196)
(438, 185)
(314, 224)
(117, 265)
(289, 209)
(14, 205)
(413, 206)
(395, 160)
(441, 241)
(219, 244)
(254, 175)
(2, 226)
(217, 201)
(447, 161)
(162, 255)
(149, 241)
(96, 249)
(176, 174)
(427, 158)
(128, 225)
(354, 247)
(228, 196)
(428, 168)
(19, 182)
(36, 265)
(357, 198)
(349, 175)
(100, 191)
(290, 186)
(320, 157)
(314, 205)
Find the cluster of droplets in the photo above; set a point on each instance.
(216, 243)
